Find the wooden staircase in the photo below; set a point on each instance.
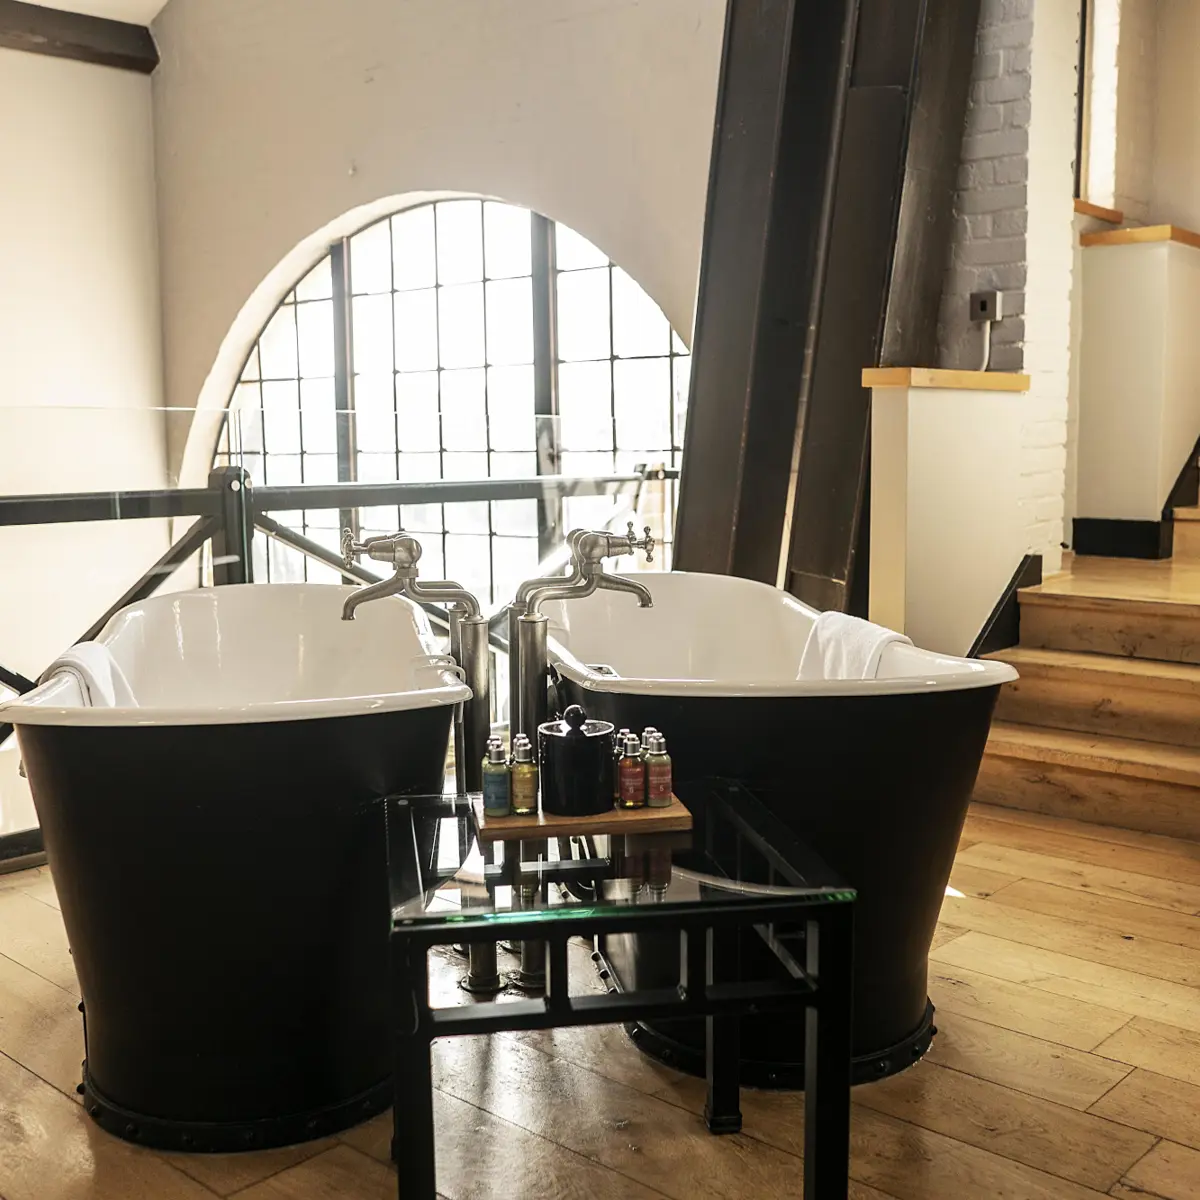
(1104, 723)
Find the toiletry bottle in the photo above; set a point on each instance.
(658, 773)
(647, 734)
(631, 775)
(524, 777)
(618, 751)
(496, 792)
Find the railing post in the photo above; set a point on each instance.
(234, 537)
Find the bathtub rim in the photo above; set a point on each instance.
(24, 712)
(38, 707)
(975, 673)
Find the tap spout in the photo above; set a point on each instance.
(560, 590)
(444, 591)
(618, 583)
(571, 577)
(375, 591)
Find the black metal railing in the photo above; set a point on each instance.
(231, 508)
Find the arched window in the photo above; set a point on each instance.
(471, 339)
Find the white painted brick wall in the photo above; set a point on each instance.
(1050, 244)
(1014, 233)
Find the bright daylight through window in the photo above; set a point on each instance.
(484, 341)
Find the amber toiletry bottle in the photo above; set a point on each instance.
(524, 777)
(618, 751)
(658, 772)
(631, 774)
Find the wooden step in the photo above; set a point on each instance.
(1106, 780)
(1165, 630)
(1186, 535)
(1099, 693)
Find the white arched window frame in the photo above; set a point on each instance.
(461, 339)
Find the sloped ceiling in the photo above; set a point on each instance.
(139, 12)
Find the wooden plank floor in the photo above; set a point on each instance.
(1066, 972)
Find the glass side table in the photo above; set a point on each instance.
(738, 872)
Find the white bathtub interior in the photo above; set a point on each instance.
(242, 652)
(719, 632)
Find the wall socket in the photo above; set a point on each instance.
(987, 306)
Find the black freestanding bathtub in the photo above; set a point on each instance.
(218, 853)
(875, 775)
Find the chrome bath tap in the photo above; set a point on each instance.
(468, 638)
(403, 552)
(528, 659)
(589, 549)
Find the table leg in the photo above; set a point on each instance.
(412, 1103)
(827, 1050)
(722, 1043)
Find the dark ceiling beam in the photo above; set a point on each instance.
(889, 249)
(58, 34)
(780, 105)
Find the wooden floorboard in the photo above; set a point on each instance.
(1066, 971)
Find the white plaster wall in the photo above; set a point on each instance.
(1082, 224)
(80, 365)
(1176, 182)
(274, 118)
(947, 523)
(1123, 380)
(1050, 241)
(1137, 100)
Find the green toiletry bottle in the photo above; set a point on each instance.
(497, 801)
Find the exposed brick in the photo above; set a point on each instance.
(993, 199)
(1010, 170)
(1007, 358)
(1017, 59)
(1041, 434)
(1002, 144)
(1013, 86)
(1017, 113)
(1009, 35)
(1009, 223)
(987, 66)
(993, 251)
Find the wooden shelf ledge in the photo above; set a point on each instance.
(1140, 235)
(936, 377)
(1085, 208)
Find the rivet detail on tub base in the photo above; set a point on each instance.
(789, 1076)
(208, 1138)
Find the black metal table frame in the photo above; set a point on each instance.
(821, 988)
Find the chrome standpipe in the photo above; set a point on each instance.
(469, 649)
(468, 639)
(529, 665)
(528, 661)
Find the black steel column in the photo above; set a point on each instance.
(830, 209)
(343, 377)
(779, 110)
(234, 536)
(889, 249)
(545, 378)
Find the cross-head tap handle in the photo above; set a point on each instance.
(401, 550)
(645, 543)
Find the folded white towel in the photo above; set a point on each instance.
(844, 647)
(101, 680)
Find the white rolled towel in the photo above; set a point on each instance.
(101, 680)
(843, 647)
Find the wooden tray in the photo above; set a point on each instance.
(672, 819)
